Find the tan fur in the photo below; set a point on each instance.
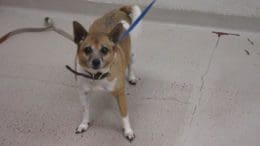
(118, 57)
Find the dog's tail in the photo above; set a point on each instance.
(133, 12)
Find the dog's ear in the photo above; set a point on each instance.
(80, 33)
(116, 32)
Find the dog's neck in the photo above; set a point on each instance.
(98, 74)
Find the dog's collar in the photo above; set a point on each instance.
(96, 76)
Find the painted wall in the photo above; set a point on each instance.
(249, 8)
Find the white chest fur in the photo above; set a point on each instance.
(96, 85)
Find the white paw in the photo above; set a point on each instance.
(82, 128)
(129, 135)
(132, 80)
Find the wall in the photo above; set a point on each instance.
(249, 8)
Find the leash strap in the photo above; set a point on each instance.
(49, 26)
(136, 21)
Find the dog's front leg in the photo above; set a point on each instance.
(85, 121)
(121, 100)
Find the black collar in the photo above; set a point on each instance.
(96, 76)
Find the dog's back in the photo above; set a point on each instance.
(107, 22)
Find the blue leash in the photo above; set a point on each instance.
(138, 19)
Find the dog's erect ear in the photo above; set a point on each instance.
(115, 34)
(80, 33)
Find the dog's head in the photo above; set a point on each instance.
(96, 50)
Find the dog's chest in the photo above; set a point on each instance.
(97, 85)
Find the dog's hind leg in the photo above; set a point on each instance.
(131, 75)
(134, 12)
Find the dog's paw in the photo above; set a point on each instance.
(82, 128)
(132, 80)
(129, 135)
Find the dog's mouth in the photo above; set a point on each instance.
(95, 67)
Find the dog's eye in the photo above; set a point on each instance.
(88, 50)
(104, 50)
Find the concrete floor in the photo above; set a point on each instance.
(192, 90)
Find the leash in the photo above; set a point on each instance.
(49, 26)
(136, 21)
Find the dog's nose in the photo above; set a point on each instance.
(96, 63)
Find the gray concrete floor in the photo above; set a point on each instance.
(192, 90)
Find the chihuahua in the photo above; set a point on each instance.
(103, 60)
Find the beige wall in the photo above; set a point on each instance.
(226, 7)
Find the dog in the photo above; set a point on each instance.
(105, 59)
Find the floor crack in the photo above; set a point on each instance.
(203, 80)
(208, 66)
(198, 94)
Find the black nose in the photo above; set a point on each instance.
(96, 63)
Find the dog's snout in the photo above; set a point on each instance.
(96, 63)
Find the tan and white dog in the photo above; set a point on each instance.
(101, 56)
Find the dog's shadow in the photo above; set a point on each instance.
(104, 111)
